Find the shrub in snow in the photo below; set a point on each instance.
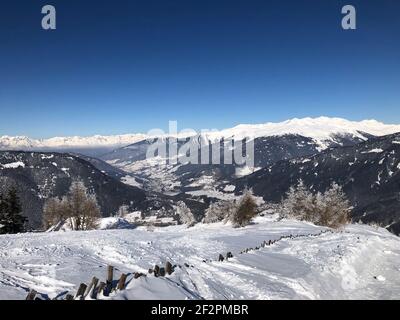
(78, 207)
(184, 214)
(11, 219)
(245, 211)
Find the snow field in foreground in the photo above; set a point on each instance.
(362, 262)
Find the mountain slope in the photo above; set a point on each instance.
(39, 176)
(369, 173)
(155, 174)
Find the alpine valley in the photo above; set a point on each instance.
(363, 157)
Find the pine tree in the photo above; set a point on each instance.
(11, 219)
(3, 214)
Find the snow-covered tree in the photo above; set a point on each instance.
(212, 214)
(219, 211)
(332, 207)
(299, 203)
(185, 215)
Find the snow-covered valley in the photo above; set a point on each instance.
(310, 262)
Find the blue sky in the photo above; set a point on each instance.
(128, 66)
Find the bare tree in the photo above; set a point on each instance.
(83, 206)
(78, 206)
(52, 214)
(246, 210)
(332, 207)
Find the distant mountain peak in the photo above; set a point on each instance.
(321, 129)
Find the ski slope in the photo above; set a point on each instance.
(361, 262)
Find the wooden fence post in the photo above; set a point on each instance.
(156, 270)
(110, 276)
(121, 282)
(101, 288)
(169, 268)
(92, 287)
(31, 295)
(162, 272)
(81, 291)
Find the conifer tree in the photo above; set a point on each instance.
(11, 218)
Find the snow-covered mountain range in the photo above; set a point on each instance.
(275, 144)
(320, 129)
(27, 144)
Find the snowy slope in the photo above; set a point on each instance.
(320, 129)
(361, 262)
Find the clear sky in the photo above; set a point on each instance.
(128, 66)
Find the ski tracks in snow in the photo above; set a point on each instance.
(359, 263)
